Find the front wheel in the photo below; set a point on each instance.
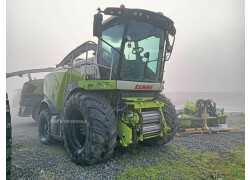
(90, 129)
(171, 120)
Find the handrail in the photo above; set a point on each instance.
(85, 47)
(77, 52)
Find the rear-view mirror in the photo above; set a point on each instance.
(97, 26)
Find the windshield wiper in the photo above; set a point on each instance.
(110, 45)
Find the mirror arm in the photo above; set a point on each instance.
(167, 43)
(99, 11)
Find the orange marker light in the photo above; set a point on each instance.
(122, 6)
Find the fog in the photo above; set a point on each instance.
(208, 55)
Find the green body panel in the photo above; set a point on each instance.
(138, 99)
(132, 119)
(222, 119)
(165, 126)
(189, 121)
(189, 106)
(54, 84)
(97, 84)
(198, 102)
(185, 122)
(39, 86)
(125, 133)
(219, 112)
(140, 103)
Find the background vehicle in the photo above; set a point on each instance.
(8, 140)
(31, 93)
(94, 103)
(16, 98)
(193, 115)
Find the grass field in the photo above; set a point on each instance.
(187, 165)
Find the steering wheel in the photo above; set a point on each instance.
(137, 50)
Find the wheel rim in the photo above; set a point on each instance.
(44, 128)
(77, 129)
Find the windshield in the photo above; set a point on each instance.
(142, 52)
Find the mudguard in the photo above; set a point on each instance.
(46, 103)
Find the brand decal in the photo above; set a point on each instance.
(144, 87)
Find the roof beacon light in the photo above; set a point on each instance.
(122, 6)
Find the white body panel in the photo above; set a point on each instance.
(130, 85)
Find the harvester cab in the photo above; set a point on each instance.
(135, 38)
(30, 96)
(108, 93)
(133, 45)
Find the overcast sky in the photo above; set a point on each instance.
(209, 49)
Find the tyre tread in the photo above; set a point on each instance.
(103, 130)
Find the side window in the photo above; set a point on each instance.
(113, 36)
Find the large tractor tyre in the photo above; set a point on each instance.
(34, 113)
(8, 140)
(44, 127)
(171, 120)
(90, 128)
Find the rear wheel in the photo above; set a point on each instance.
(44, 127)
(90, 129)
(171, 120)
(34, 113)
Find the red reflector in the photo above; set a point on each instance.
(23, 109)
(122, 6)
(112, 95)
